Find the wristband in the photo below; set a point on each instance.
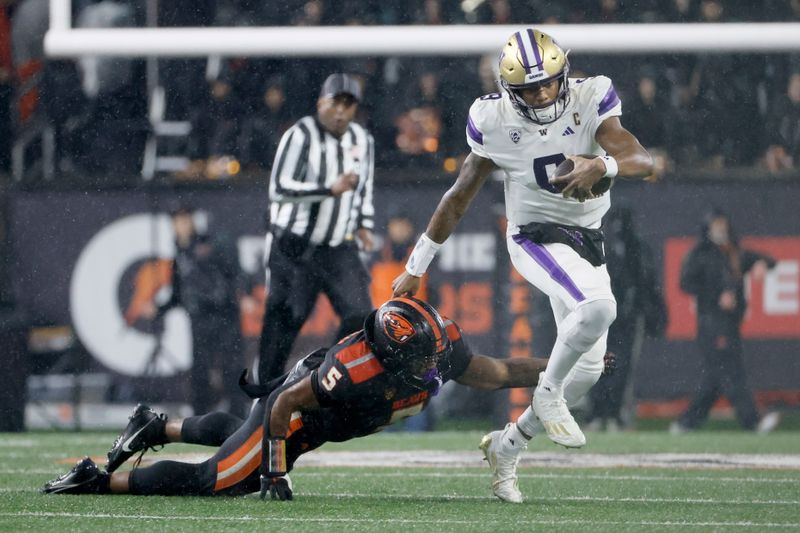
(422, 255)
(612, 168)
(276, 456)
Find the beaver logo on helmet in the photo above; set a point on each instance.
(397, 327)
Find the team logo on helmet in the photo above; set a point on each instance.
(397, 327)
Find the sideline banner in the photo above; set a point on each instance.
(81, 259)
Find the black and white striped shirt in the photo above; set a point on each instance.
(309, 160)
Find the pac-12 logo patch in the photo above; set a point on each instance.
(397, 327)
(515, 135)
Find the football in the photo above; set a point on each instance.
(566, 167)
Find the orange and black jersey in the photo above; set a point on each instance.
(358, 396)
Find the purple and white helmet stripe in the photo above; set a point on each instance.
(520, 43)
(535, 47)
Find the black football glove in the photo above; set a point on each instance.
(278, 488)
(609, 363)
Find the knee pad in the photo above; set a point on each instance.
(588, 322)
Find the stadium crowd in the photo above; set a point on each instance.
(693, 111)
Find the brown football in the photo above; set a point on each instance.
(566, 167)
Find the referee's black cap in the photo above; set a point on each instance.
(339, 83)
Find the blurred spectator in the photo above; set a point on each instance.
(714, 273)
(6, 72)
(648, 112)
(115, 131)
(262, 130)
(607, 11)
(640, 311)
(215, 128)
(312, 14)
(181, 77)
(783, 128)
(29, 23)
(681, 11)
(401, 236)
(419, 126)
(503, 12)
(204, 282)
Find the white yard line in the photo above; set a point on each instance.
(461, 459)
(598, 499)
(527, 475)
(424, 521)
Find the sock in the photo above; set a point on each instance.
(512, 439)
(528, 423)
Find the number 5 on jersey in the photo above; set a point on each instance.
(331, 378)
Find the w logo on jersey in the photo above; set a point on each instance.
(397, 327)
(568, 131)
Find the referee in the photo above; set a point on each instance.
(320, 195)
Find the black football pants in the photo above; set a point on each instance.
(296, 280)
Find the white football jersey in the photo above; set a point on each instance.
(529, 152)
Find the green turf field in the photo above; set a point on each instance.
(436, 498)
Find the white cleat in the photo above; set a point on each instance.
(552, 411)
(504, 467)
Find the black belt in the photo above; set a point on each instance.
(588, 243)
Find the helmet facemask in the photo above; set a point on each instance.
(547, 113)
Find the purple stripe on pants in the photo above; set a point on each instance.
(540, 254)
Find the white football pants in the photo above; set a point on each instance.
(571, 283)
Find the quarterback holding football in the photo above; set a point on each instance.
(540, 119)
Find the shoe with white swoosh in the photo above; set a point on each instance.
(145, 430)
(83, 478)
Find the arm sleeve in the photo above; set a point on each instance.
(367, 209)
(475, 130)
(289, 169)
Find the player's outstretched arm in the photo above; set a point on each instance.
(449, 212)
(488, 373)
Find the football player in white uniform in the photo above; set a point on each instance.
(540, 119)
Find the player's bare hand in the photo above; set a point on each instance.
(364, 237)
(579, 182)
(346, 182)
(406, 285)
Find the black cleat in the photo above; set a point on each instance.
(146, 429)
(84, 478)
